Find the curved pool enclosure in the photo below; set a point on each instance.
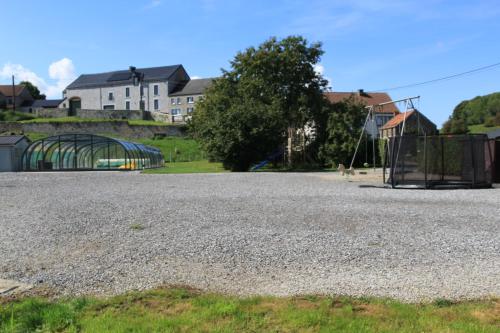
(82, 152)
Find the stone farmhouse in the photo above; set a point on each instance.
(382, 115)
(17, 95)
(168, 90)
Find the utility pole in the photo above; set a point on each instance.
(13, 94)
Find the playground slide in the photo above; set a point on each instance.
(269, 159)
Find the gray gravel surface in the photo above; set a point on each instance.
(278, 233)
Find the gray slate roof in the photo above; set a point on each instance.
(493, 134)
(103, 79)
(193, 87)
(46, 103)
(10, 140)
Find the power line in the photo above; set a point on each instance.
(440, 79)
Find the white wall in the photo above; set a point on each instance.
(97, 98)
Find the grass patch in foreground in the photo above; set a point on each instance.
(188, 167)
(184, 310)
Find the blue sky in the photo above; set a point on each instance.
(369, 44)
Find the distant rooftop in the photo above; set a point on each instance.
(6, 89)
(193, 87)
(122, 77)
(46, 103)
(366, 98)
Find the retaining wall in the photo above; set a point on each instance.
(110, 128)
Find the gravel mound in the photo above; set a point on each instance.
(266, 233)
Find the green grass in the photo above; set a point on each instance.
(176, 149)
(481, 128)
(35, 136)
(188, 167)
(14, 116)
(186, 310)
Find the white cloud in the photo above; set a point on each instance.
(320, 69)
(21, 74)
(62, 72)
(195, 77)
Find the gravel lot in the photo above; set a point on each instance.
(105, 233)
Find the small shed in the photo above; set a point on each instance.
(494, 137)
(410, 122)
(11, 151)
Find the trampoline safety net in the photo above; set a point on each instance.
(438, 161)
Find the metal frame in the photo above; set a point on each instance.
(87, 152)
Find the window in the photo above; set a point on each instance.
(127, 92)
(108, 107)
(127, 105)
(172, 101)
(110, 96)
(190, 110)
(190, 99)
(142, 91)
(155, 90)
(156, 104)
(178, 100)
(175, 112)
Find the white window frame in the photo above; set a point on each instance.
(176, 112)
(172, 101)
(190, 99)
(127, 103)
(127, 92)
(179, 101)
(190, 110)
(156, 90)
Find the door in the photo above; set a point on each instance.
(74, 105)
(5, 159)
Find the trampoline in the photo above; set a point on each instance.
(86, 152)
(463, 161)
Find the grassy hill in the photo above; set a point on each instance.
(481, 110)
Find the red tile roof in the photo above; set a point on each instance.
(6, 89)
(366, 98)
(397, 119)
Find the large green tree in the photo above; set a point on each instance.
(344, 123)
(247, 112)
(34, 91)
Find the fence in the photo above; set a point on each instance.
(434, 161)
